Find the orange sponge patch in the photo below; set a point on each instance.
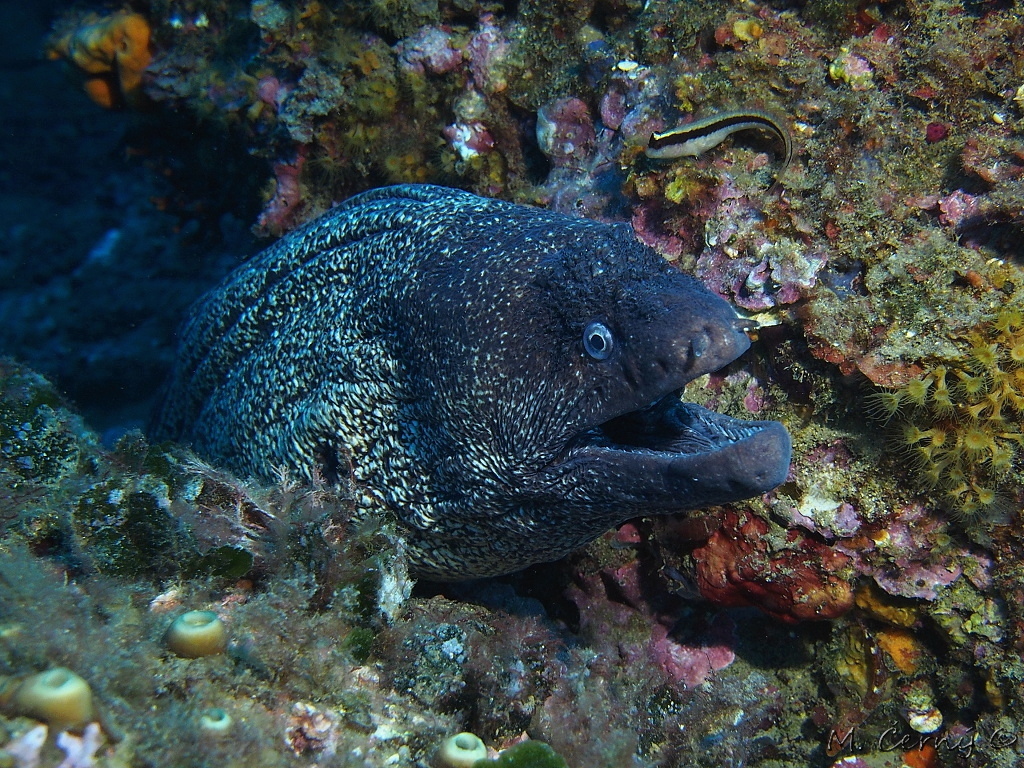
(112, 51)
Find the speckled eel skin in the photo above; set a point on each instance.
(502, 380)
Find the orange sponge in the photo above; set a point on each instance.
(112, 51)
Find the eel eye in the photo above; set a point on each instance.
(597, 341)
(700, 344)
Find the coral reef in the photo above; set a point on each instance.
(886, 276)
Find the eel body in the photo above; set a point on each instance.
(504, 381)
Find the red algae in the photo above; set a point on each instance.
(804, 581)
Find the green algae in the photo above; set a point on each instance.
(41, 443)
(127, 533)
(526, 754)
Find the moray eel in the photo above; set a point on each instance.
(504, 381)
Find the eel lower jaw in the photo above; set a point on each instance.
(674, 455)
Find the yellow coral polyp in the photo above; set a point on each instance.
(1016, 437)
(984, 354)
(976, 443)
(965, 430)
(976, 411)
(366, 62)
(985, 496)
(941, 397)
(1002, 457)
(913, 434)
(958, 477)
(406, 168)
(1009, 321)
(885, 404)
(942, 400)
(112, 51)
(969, 507)
(932, 474)
(917, 390)
(970, 385)
(958, 489)
(1013, 390)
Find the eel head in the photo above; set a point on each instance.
(633, 440)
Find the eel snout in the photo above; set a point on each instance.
(752, 459)
(665, 454)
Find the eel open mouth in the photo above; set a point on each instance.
(673, 426)
(678, 455)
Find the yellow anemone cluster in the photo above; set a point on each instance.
(962, 422)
